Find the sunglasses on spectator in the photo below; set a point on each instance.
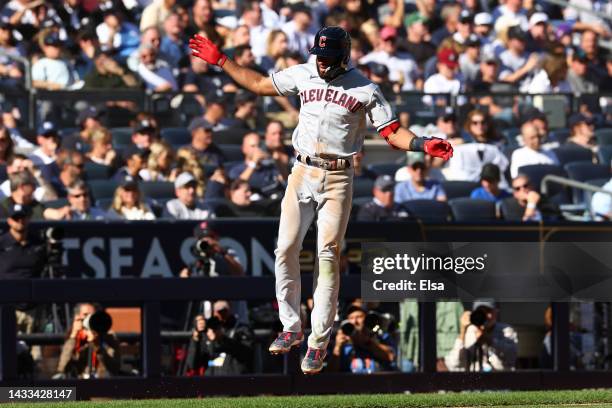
(479, 122)
(519, 188)
(79, 195)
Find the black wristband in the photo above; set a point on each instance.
(417, 144)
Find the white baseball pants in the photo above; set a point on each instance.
(329, 194)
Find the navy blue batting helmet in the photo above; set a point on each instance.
(333, 41)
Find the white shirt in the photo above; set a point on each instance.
(540, 83)
(270, 18)
(468, 159)
(332, 114)
(300, 41)
(40, 158)
(438, 83)
(158, 76)
(52, 70)
(179, 211)
(526, 156)
(401, 66)
(136, 213)
(259, 40)
(5, 191)
(601, 203)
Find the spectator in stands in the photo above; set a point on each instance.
(531, 152)
(540, 121)
(469, 60)
(432, 164)
(551, 77)
(417, 41)
(537, 36)
(478, 128)
(419, 187)
(156, 13)
(108, 74)
(589, 43)
(450, 15)
(582, 131)
(277, 46)
(240, 200)
(580, 78)
(187, 162)
(11, 72)
(150, 37)
(517, 64)
(135, 160)
(89, 119)
(359, 350)
(465, 27)
(160, 163)
(187, 205)
(258, 169)
(23, 185)
(489, 189)
(526, 204)
(87, 353)
(215, 112)
(128, 204)
(446, 79)
(488, 74)
(7, 146)
(252, 18)
(144, 134)
(48, 141)
(512, 10)
(102, 151)
(22, 257)
(239, 36)
(282, 155)
(68, 168)
(483, 28)
(154, 72)
(79, 205)
(402, 68)
(299, 30)
(117, 35)
(17, 163)
(202, 145)
(88, 48)
(484, 344)
(173, 44)
(382, 206)
(51, 72)
(245, 113)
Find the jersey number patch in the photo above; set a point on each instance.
(322, 40)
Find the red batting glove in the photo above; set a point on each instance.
(438, 148)
(203, 48)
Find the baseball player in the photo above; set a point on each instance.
(335, 101)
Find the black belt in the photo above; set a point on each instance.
(336, 164)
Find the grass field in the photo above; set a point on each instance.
(587, 398)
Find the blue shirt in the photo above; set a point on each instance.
(173, 51)
(481, 194)
(264, 176)
(357, 360)
(405, 191)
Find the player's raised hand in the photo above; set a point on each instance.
(437, 147)
(205, 49)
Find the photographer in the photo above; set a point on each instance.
(361, 345)
(484, 344)
(211, 259)
(91, 350)
(220, 345)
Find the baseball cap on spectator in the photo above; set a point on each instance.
(144, 125)
(578, 118)
(517, 33)
(184, 179)
(384, 183)
(133, 150)
(466, 17)
(47, 129)
(414, 18)
(489, 56)
(199, 123)
(377, 69)
(53, 39)
(563, 30)
(19, 211)
(413, 158)
(488, 303)
(472, 41)
(448, 57)
(388, 32)
(353, 308)
(89, 112)
(490, 172)
(537, 18)
(483, 19)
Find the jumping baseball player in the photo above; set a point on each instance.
(335, 101)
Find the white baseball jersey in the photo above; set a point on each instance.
(333, 114)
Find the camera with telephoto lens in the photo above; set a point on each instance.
(201, 249)
(379, 323)
(100, 322)
(347, 328)
(54, 250)
(479, 317)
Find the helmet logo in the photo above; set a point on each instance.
(322, 40)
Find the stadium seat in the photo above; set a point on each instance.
(466, 209)
(59, 203)
(384, 168)
(510, 135)
(101, 189)
(428, 210)
(604, 136)
(559, 135)
(95, 171)
(356, 205)
(362, 187)
(104, 203)
(122, 136)
(229, 136)
(457, 188)
(583, 171)
(176, 136)
(568, 154)
(605, 155)
(511, 210)
(157, 189)
(232, 152)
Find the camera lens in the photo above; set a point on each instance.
(347, 328)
